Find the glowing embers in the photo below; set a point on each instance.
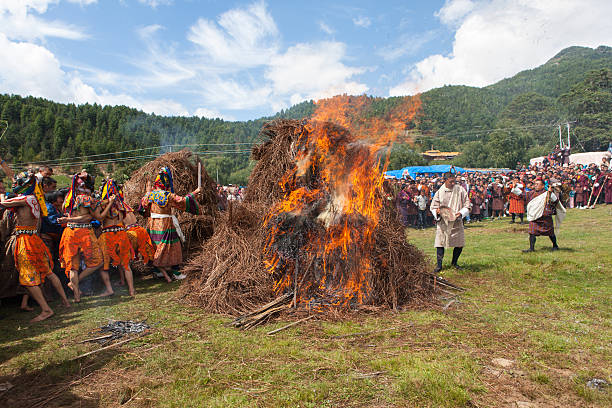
(320, 236)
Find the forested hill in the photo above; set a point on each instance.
(574, 85)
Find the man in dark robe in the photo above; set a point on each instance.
(541, 206)
(497, 195)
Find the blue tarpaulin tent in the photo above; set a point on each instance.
(414, 171)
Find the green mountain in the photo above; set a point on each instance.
(493, 126)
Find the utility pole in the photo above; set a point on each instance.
(568, 136)
(560, 140)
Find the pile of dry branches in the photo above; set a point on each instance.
(184, 167)
(229, 276)
(275, 156)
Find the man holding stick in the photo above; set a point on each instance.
(163, 226)
(449, 206)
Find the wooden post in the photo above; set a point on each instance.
(199, 174)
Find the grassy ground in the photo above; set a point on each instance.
(548, 313)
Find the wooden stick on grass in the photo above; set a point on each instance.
(108, 347)
(290, 325)
(96, 338)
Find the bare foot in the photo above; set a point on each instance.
(27, 308)
(107, 293)
(121, 283)
(44, 315)
(70, 286)
(66, 303)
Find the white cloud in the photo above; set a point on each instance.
(231, 94)
(454, 10)
(243, 41)
(155, 3)
(406, 45)
(240, 38)
(498, 38)
(234, 63)
(325, 28)
(362, 21)
(18, 23)
(83, 2)
(212, 114)
(313, 71)
(161, 66)
(45, 78)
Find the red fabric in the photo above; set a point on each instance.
(517, 204)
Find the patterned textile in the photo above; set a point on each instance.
(30, 200)
(80, 201)
(77, 241)
(141, 242)
(608, 189)
(32, 258)
(28, 231)
(113, 228)
(75, 225)
(517, 203)
(582, 189)
(163, 180)
(497, 204)
(24, 183)
(161, 230)
(116, 247)
(543, 226)
(476, 200)
(158, 197)
(110, 188)
(81, 185)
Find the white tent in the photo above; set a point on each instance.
(579, 158)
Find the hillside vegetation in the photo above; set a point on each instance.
(494, 126)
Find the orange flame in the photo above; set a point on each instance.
(320, 235)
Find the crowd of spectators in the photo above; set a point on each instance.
(495, 194)
(226, 194)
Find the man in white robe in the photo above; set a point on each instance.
(449, 206)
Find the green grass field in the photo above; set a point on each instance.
(548, 313)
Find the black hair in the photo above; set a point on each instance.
(46, 181)
(53, 196)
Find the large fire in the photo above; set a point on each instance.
(320, 235)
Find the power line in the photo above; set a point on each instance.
(137, 158)
(477, 130)
(87, 158)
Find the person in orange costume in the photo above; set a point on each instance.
(32, 257)
(79, 241)
(139, 238)
(116, 247)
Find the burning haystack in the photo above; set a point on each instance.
(184, 167)
(315, 229)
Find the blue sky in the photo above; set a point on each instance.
(245, 59)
